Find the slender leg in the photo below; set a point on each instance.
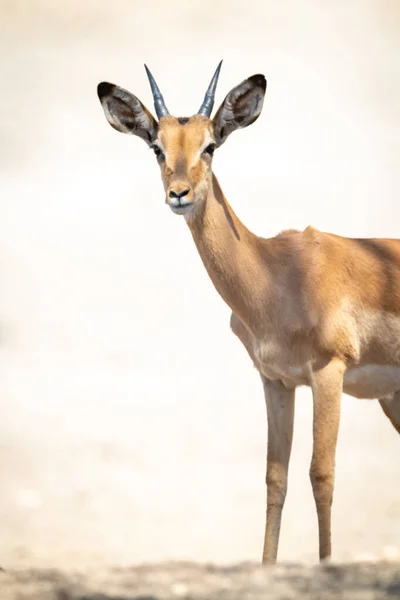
(280, 412)
(327, 385)
(391, 408)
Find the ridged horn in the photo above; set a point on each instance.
(159, 103)
(208, 102)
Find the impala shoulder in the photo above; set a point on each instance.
(296, 237)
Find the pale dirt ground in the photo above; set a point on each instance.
(191, 581)
(132, 423)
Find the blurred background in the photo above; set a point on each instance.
(132, 423)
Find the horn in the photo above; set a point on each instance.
(159, 103)
(208, 102)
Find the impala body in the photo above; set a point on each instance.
(311, 308)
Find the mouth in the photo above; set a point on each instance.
(180, 208)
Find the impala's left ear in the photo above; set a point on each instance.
(241, 107)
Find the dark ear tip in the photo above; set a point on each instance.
(259, 80)
(104, 89)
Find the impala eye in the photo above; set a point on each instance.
(210, 149)
(157, 150)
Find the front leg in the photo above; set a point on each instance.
(280, 412)
(327, 386)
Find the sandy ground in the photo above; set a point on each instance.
(132, 424)
(189, 581)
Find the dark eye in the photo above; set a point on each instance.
(210, 149)
(157, 150)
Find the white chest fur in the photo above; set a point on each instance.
(375, 336)
(277, 362)
(371, 381)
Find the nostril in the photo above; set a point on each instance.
(173, 194)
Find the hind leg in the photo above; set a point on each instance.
(391, 408)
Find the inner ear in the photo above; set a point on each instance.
(241, 107)
(126, 113)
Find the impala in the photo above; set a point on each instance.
(311, 308)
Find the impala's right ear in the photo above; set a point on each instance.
(126, 113)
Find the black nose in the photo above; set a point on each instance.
(178, 195)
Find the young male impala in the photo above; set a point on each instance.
(311, 308)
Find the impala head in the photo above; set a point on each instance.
(184, 147)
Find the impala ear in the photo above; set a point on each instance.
(126, 113)
(241, 107)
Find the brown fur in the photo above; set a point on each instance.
(311, 308)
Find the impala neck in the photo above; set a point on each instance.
(231, 255)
